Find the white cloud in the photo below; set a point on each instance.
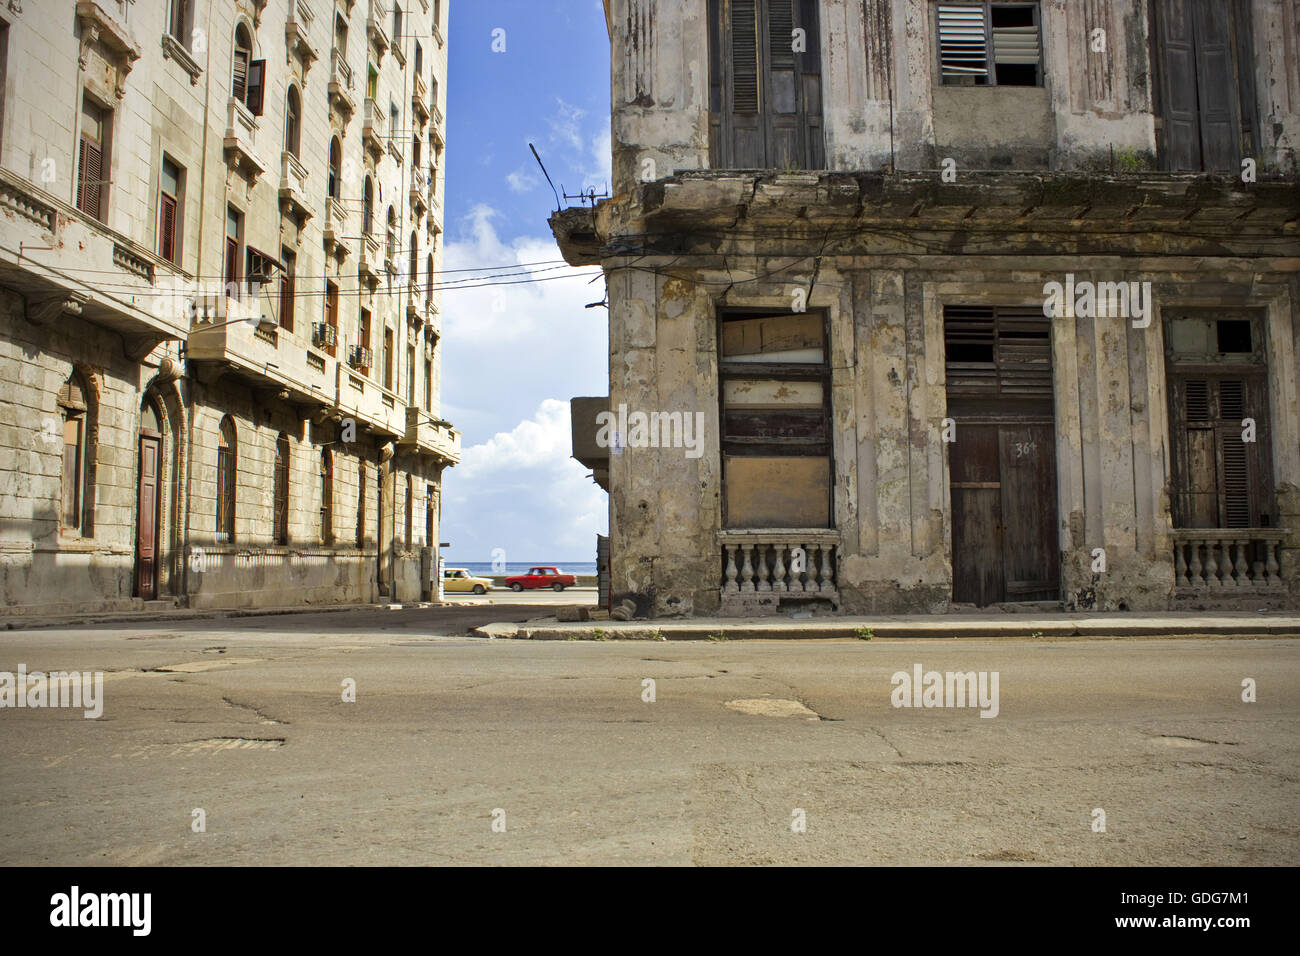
(522, 181)
(512, 356)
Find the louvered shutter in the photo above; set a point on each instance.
(167, 228)
(963, 41)
(1016, 45)
(256, 86)
(744, 56)
(90, 176)
(239, 80)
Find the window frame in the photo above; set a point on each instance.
(990, 64)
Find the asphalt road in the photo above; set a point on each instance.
(244, 720)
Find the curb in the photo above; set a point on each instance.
(952, 630)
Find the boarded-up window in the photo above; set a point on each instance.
(994, 44)
(765, 85)
(775, 413)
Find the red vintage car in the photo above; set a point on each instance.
(542, 577)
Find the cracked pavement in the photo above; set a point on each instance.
(245, 720)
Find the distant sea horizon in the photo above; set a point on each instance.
(516, 567)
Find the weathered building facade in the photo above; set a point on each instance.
(977, 304)
(219, 318)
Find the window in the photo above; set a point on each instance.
(368, 207)
(415, 154)
(93, 160)
(169, 191)
(419, 58)
(287, 290)
(391, 249)
(397, 25)
(293, 122)
(388, 359)
(332, 182)
(428, 385)
(410, 512)
(1218, 377)
(394, 120)
(775, 396)
(413, 261)
(428, 516)
(326, 497)
(372, 83)
(410, 375)
(365, 339)
(248, 76)
(989, 44)
(227, 463)
(361, 505)
(437, 15)
(179, 21)
(75, 409)
(331, 316)
(428, 281)
(764, 93)
(281, 506)
(234, 240)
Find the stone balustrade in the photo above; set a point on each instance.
(769, 562)
(1228, 558)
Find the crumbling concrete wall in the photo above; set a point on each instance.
(885, 106)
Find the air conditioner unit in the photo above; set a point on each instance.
(360, 357)
(325, 335)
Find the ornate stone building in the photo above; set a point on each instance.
(981, 303)
(219, 313)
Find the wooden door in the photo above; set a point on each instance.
(1031, 542)
(1004, 517)
(146, 548)
(977, 568)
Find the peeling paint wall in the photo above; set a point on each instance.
(884, 105)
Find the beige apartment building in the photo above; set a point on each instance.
(220, 241)
(975, 304)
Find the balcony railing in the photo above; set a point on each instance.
(293, 184)
(340, 85)
(1228, 559)
(372, 126)
(780, 562)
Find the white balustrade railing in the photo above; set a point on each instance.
(1214, 558)
(782, 561)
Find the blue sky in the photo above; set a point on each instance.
(514, 355)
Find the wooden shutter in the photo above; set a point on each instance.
(765, 97)
(963, 42)
(256, 86)
(286, 300)
(90, 178)
(239, 80)
(167, 227)
(1216, 88)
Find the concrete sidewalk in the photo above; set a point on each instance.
(1210, 624)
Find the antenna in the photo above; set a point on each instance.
(547, 175)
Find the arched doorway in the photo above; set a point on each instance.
(148, 501)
